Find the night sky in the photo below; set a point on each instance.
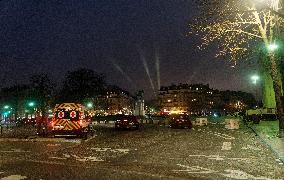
(113, 37)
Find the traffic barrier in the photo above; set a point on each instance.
(216, 123)
(201, 122)
(232, 123)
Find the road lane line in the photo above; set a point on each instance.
(195, 169)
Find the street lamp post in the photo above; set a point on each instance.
(31, 105)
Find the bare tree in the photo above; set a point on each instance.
(238, 26)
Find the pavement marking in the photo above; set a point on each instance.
(229, 173)
(90, 158)
(226, 146)
(225, 136)
(60, 158)
(125, 151)
(40, 140)
(77, 158)
(249, 147)
(15, 151)
(221, 158)
(66, 155)
(47, 162)
(237, 174)
(160, 176)
(212, 157)
(101, 149)
(14, 177)
(195, 169)
(242, 159)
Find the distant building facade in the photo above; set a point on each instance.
(197, 99)
(114, 101)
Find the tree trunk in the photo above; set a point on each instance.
(277, 89)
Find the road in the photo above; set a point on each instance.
(152, 152)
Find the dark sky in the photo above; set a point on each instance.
(111, 37)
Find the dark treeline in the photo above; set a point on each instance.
(40, 94)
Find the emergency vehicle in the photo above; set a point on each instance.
(71, 119)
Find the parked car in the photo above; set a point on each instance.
(126, 122)
(180, 121)
(29, 121)
(25, 121)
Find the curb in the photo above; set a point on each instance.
(267, 144)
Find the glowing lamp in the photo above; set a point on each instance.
(272, 47)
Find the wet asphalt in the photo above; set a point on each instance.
(152, 152)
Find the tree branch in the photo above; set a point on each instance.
(244, 32)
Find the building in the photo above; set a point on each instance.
(199, 99)
(114, 101)
(184, 98)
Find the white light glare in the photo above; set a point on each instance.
(272, 47)
(254, 78)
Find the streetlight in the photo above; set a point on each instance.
(272, 47)
(31, 104)
(254, 79)
(90, 105)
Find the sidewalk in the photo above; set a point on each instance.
(268, 133)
